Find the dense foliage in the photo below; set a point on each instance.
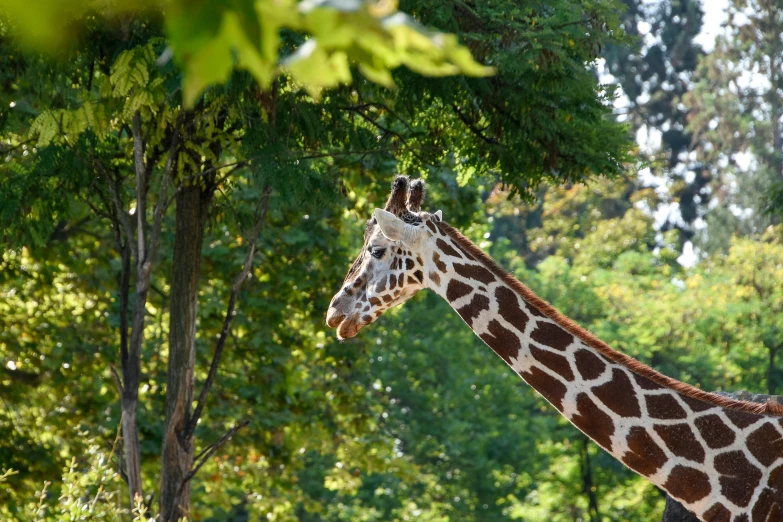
(415, 418)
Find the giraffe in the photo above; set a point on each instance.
(721, 458)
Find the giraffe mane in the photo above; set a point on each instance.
(769, 408)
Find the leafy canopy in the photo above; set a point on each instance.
(319, 41)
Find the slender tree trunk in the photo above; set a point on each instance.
(192, 206)
(772, 383)
(587, 482)
(774, 100)
(130, 435)
(131, 375)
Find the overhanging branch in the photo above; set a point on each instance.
(475, 130)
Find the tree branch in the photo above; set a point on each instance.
(378, 105)
(369, 120)
(141, 187)
(239, 281)
(475, 130)
(117, 380)
(122, 216)
(163, 201)
(125, 275)
(209, 450)
(295, 157)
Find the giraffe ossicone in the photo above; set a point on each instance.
(721, 458)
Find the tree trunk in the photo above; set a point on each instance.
(587, 482)
(131, 373)
(771, 372)
(177, 461)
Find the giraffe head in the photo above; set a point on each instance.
(390, 268)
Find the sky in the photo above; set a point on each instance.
(714, 16)
(650, 139)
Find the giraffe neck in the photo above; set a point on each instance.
(722, 459)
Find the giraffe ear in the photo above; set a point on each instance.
(391, 226)
(438, 215)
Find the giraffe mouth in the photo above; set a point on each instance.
(348, 328)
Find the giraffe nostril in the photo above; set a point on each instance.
(333, 318)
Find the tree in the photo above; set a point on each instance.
(101, 141)
(654, 75)
(735, 118)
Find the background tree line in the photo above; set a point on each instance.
(180, 186)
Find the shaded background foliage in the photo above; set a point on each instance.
(414, 418)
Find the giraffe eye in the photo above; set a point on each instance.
(377, 252)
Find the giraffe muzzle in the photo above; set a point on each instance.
(334, 318)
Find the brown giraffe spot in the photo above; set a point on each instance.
(767, 507)
(741, 518)
(643, 455)
(399, 251)
(593, 421)
(375, 301)
(366, 318)
(392, 281)
(380, 287)
(418, 260)
(409, 264)
(553, 361)
(386, 298)
(438, 263)
(645, 383)
(715, 431)
(687, 484)
(431, 226)
(741, 419)
(457, 289)
(508, 306)
(696, 405)
(739, 477)
(679, 438)
(549, 387)
(419, 275)
(717, 513)
(664, 407)
(619, 395)
(504, 342)
(552, 335)
(470, 311)
(394, 264)
(590, 366)
(446, 248)
(477, 273)
(766, 444)
(435, 278)
(776, 479)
